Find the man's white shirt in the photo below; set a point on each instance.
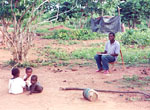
(113, 48)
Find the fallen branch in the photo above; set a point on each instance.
(111, 91)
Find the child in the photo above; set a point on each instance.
(35, 86)
(16, 84)
(27, 77)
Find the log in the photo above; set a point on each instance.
(110, 91)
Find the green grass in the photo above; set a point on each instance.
(70, 42)
(132, 56)
(86, 53)
(97, 45)
(55, 53)
(135, 55)
(42, 30)
(24, 64)
(132, 81)
(135, 81)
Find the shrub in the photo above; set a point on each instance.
(24, 64)
(81, 34)
(139, 37)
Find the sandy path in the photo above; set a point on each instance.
(54, 99)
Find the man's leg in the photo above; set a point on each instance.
(106, 59)
(98, 61)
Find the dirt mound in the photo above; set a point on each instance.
(59, 27)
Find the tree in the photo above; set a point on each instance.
(20, 15)
(134, 11)
(145, 10)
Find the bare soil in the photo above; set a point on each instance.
(59, 27)
(52, 98)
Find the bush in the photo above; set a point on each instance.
(82, 34)
(24, 64)
(139, 37)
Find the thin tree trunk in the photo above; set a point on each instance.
(133, 24)
(149, 22)
(129, 25)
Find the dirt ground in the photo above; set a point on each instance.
(52, 98)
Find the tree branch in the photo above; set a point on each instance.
(47, 20)
(40, 5)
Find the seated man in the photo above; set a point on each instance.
(112, 50)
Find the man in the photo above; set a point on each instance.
(112, 50)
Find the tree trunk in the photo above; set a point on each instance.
(18, 42)
(129, 25)
(133, 24)
(149, 22)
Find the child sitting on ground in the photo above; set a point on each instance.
(27, 77)
(16, 84)
(35, 86)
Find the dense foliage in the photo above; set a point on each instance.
(65, 9)
(80, 34)
(136, 37)
(135, 11)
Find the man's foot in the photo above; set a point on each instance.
(99, 70)
(106, 72)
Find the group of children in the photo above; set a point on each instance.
(29, 82)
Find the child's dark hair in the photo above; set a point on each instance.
(15, 72)
(28, 68)
(34, 77)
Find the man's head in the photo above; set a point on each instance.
(15, 72)
(112, 37)
(34, 79)
(28, 71)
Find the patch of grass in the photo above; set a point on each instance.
(97, 45)
(55, 53)
(86, 53)
(85, 64)
(108, 82)
(24, 64)
(130, 78)
(133, 82)
(42, 31)
(135, 55)
(10, 62)
(134, 99)
(68, 42)
(27, 64)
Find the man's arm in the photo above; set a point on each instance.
(114, 55)
(26, 78)
(99, 53)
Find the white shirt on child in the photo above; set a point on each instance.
(28, 81)
(16, 85)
